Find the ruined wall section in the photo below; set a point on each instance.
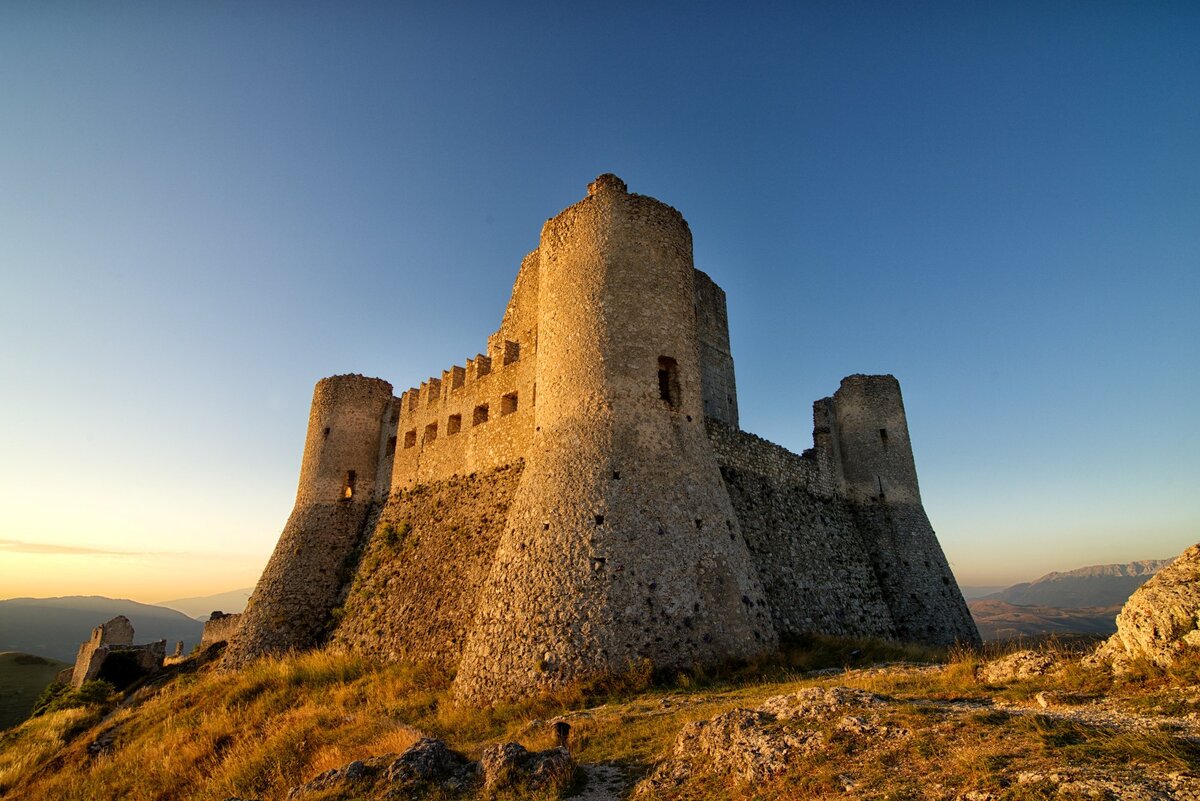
(621, 543)
(804, 539)
(416, 588)
(220, 627)
(111, 655)
(879, 478)
(717, 386)
(291, 604)
(478, 417)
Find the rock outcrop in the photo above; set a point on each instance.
(429, 768)
(752, 746)
(1160, 621)
(1017, 666)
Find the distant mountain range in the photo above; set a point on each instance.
(54, 627)
(1098, 585)
(1083, 601)
(202, 606)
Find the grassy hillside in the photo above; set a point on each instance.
(206, 735)
(22, 679)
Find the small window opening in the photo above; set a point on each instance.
(879, 483)
(348, 487)
(480, 415)
(512, 352)
(508, 404)
(430, 432)
(454, 424)
(410, 438)
(599, 520)
(668, 381)
(699, 523)
(616, 475)
(326, 434)
(391, 447)
(883, 437)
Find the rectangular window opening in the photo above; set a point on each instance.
(410, 438)
(481, 415)
(512, 352)
(348, 487)
(430, 432)
(391, 447)
(508, 404)
(883, 437)
(454, 424)
(668, 381)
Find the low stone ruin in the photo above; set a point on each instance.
(220, 627)
(111, 655)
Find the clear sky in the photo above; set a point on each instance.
(206, 207)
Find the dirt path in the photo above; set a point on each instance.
(605, 782)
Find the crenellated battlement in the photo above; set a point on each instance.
(470, 419)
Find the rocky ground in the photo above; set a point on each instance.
(1023, 726)
(1118, 722)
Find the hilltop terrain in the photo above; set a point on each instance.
(823, 718)
(328, 726)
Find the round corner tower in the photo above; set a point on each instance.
(342, 466)
(621, 544)
(876, 453)
(879, 474)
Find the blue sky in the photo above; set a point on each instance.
(206, 207)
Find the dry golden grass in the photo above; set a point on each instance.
(207, 735)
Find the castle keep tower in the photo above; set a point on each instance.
(346, 466)
(578, 498)
(621, 543)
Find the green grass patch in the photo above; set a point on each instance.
(23, 678)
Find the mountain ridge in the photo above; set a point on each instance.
(54, 627)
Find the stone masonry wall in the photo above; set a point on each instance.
(417, 585)
(804, 539)
(914, 576)
(220, 628)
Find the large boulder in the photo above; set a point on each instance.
(1160, 621)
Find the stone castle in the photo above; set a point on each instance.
(580, 499)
